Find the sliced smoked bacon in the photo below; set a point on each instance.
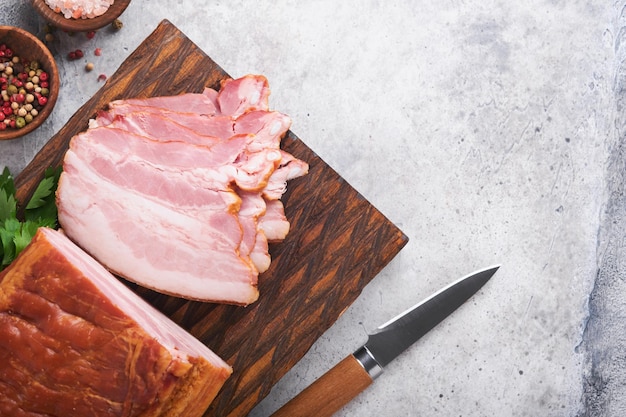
(75, 342)
(181, 194)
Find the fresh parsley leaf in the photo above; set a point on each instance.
(7, 233)
(12, 225)
(41, 211)
(44, 189)
(7, 249)
(42, 205)
(51, 223)
(6, 182)
(23, 236)
(8, 205)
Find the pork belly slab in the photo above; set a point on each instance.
(74, 341)
(181, 194)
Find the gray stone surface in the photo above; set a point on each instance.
(604, 341)
(488, 131)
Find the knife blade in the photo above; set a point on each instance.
(357, 371)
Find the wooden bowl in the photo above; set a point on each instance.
(80, 25)
(27, 46)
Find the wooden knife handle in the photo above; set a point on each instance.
(330, 392)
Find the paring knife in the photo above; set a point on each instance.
(356, 372)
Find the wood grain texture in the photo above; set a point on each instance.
(337, 244)
(330, 392)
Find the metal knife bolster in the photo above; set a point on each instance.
(367, 361)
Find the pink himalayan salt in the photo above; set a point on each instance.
(80, 9)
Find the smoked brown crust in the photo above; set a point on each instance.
(67, 350)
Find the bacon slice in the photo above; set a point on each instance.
(131, 205)
(242, 95)
(267, 127)
(182, 165)
(163, 126)
(74, 341)
(217, 126)
(288, 169)
(201, 103)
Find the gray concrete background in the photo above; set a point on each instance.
(488, 131)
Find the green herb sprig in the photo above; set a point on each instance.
(41, 211)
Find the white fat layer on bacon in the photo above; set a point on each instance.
(273, 223)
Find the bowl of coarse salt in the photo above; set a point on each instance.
(80, 15)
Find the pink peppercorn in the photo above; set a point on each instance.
(42, 100)
(75, 54)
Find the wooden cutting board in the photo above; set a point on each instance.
(337, 244)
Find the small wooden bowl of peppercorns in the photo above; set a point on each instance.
(29, 82)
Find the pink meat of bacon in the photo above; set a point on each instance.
(181, 194)
(182, 234)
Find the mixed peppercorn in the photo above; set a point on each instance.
(25, 86)
(24, 89)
